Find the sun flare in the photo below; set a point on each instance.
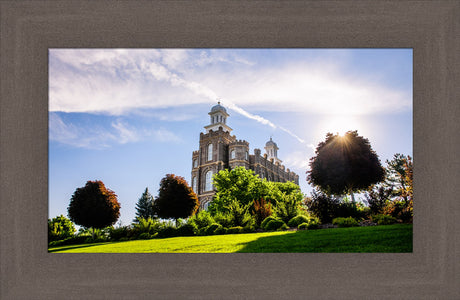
(340, 125)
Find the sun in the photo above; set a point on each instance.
(337, 124)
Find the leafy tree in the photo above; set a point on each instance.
(94, 206)
(175, 198)
(242, 185)
(395, 175)
(60, 228)
(239, 184)
(344, 164)
(144, 206)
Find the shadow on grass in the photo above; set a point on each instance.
(70, 247)
(375, 239)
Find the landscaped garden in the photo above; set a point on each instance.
(250, 214)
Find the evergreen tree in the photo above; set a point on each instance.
(144, 206)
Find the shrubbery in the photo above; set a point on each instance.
(297, 220)
(288, 208)
(383, 219)
(274, 225)
(261, 210)
(115, 234)
(236, 229)
(345, 222)
(78, 239)
(268, 219)
(210, 230)
(150, 226)
(187, 230)
(302, 226)
(167, 231)
(60, 228)
(201, 219)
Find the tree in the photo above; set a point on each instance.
(144, 206)
(175, 198)
(344, 164)
(60, 228)
(239, 184)
(399, 176)
(94, 206)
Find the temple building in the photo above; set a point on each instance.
(219, 150)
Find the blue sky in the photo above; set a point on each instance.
(128, 117)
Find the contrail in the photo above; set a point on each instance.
(260, 119)
(161, 73)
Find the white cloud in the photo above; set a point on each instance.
(297, 160)
(98, 137)
(130, 80)
(120, 80)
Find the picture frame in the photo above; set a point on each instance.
(29, 29)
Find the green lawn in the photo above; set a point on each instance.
(389, 238)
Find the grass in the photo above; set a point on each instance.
(389, 238)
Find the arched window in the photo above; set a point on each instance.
(208, 181)
(232, 154)
(210, 152)
(195, 163)
(247, 155)
(194, 186)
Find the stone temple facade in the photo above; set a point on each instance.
(219, 150)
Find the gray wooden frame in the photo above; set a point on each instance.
(29, 28)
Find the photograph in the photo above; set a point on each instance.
(230, 150)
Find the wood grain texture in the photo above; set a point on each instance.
(29, 28)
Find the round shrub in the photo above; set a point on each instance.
(302, 226)
(297, 220)
(274, 225)
(345, 222)
(283, 227)
(187, 230)
(236, 229)
(384, 219)
(266, 220)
